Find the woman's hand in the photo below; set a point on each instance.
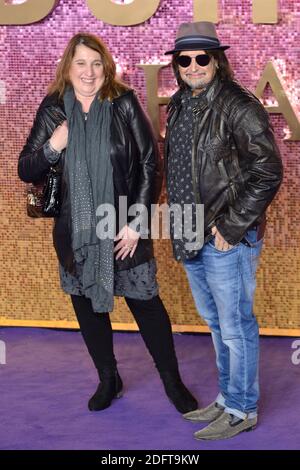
(59, 138)
(128, 242)
(220, 243)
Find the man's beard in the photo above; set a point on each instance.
(199, 84)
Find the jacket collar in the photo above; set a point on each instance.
(210, 94)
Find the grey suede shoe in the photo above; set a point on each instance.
(226, 426)
(209, 414)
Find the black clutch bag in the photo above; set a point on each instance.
(44, 199)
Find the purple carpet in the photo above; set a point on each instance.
(48, 378)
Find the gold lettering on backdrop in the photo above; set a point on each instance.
(270, 75)
(123, 15)
(25, 13)
(206, 10)
(263, 11)
(138, 11)
(153, 100)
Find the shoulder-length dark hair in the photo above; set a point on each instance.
(224, 70)
(112, 86)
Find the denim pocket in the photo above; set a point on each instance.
(251, 237)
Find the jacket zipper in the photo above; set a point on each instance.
(169, 126)
(196, 165)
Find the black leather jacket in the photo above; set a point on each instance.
(134, 157)
(236, 164)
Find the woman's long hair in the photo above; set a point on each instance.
(112, 86)
(224, 70)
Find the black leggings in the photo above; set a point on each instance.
(153, 322)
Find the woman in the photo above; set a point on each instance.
(92, 125)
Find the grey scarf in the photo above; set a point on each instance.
(89, 173)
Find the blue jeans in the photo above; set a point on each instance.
(223, 285)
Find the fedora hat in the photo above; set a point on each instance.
(201, 35)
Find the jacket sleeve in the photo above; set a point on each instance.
(33, 164)
(262, 170)
(150, 173)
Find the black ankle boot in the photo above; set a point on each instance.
(177, 392)
(109, 388)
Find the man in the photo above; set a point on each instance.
(221, 152)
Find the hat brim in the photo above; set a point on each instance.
(197, 47)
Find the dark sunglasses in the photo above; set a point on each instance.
(201, 59)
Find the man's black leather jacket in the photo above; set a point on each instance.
(236, 164)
